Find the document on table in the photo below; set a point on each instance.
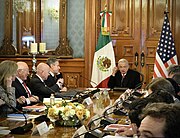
(4, 131)
(20, 117)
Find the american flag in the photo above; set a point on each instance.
(166, 52)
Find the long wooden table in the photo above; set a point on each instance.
(59, 132)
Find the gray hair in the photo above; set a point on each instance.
(122, 60)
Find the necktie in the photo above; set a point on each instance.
(26, 88)
(123, 75)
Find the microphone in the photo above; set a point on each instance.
(56, 94)
(117, 104)
(88, 80)
(80, 97)
(135, 92)
(21, 129)
(109, 121)
(92, 133)
(119, 110)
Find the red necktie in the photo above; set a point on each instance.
(26, 88)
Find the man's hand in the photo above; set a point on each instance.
(34, 98)
(64, 89)
(21, 100)
(115, 69)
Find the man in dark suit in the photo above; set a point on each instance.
(23, 94)
(54, 75)
(38, 86)
(124, 77)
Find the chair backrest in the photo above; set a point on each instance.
(141, 80)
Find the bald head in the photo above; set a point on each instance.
(23, 70)
(43, 70)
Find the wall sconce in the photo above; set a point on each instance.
(21, 5)
(54, 13)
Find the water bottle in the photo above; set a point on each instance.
(52, 99)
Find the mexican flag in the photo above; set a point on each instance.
(104, 62)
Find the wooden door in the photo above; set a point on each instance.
(135, 30)
(152, 15)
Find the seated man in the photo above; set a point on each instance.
(161, 120)
(136, 107)
(38, 86)
(124, 77)
(22, 92)
(55, 75)
(173, 69)
(176, 77)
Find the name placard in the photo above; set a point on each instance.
(40, 129)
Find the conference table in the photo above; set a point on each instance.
(57, 131)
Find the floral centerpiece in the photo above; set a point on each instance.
(68, 114)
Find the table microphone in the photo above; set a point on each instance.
(115, 105)
(103, 116)
(56, 94)
(89, 80)
(21, 129)
(135, 92)
(91, 133)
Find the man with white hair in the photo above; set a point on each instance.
(38, 85)
(23, 94)
(124, 77)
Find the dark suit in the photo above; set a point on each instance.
(39, 88)
(131, 80)
(52, 79)
(19, 91)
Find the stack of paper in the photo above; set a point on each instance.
(21, 117)
(4, 131)
(34, 108)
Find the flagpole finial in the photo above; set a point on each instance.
(105, 7)
(166, 9)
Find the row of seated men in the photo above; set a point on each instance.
(14, 93)
(48, 79)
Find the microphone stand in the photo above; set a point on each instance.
(119, 102)
(89, 131)
(21, 129)
(88, 80)
(90, 124)
(17, 111)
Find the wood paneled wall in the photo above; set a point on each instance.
(135, 26)
(72, 69)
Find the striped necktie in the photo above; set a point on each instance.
(27, 90)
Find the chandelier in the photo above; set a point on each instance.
(20, 5)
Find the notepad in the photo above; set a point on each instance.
(18, 116)
(34, 108)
